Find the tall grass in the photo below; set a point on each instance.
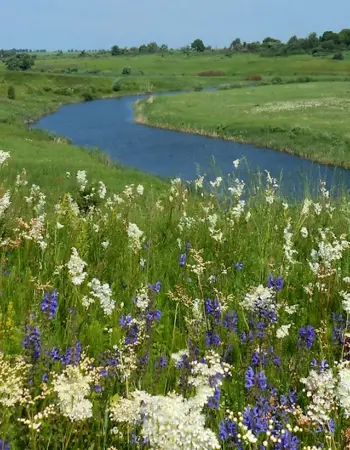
(190, 319)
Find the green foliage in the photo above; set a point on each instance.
(87, 96)
(11, 92)
(338, 56)
(20, 62)
(198, 45)
(198, 87)
(115, 50)
(277, 80)
(117, 85)
(126, 70)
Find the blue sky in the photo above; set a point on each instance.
(90, 24)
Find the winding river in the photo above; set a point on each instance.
(109, 125)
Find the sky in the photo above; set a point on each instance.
(96, 24)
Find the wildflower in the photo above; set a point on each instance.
(239, 266)
(82, 180)
(182, 260)
(258, 299)
(76, 268)
(59, 226)
(32, 342)
(135, 236)
(4, 203)
(346, 301)
(4, 444)
(72, 388)
(105, 244)
(102, 190)
(283, 331)
(12, 382)
(103, 293)
(49, 304)
(236, 163)
(304, 232)
(252, 379)
(277, 284)
(4, 156)
(306, 336)
(140, 189)
(343, 390)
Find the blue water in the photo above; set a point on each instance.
(108, 124)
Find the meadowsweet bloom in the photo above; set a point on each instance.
(321, 392)
(103, 293)
(343, 390)
(217, 182)
(135, 236)
(72, 388)
(258, 299)
(140, 189)
(283, 331)
(288, 247)
(236, 163)
(105, 244)
(345, 301)
(13, 376)
(4, 203)
(304, 233)
(21, 178)
(102, 190)
(76, 268)
(49, 304)
(82, 180)
(4, 156)
(59, 226)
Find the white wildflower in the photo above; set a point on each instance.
(140, 189)
(321, 392)
(103, 293)
(236, 163)
(76, 268)
(283, 331)
(105, 244)
(59, 226)
(217, 182)
(72, 388)
(306, 207)
(4, 203)
(289, 251)
(4, 156)
(346, 301)
(21, 178)
(343, 390)
(346, 280)
(135, 236)
(142, 300)
(199, 182)
(259, 298)
(12, 382)
(102, 190)
(82, 180)
(304, 232)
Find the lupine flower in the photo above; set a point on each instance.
(182, 260)
(239, 266)
(212, 339)
(231, 321)
(306, 337)
(31, 342)
(275, 283)
(4, 445)
(49, 304)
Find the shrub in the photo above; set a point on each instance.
(254, 77)
(277, 80)
(338, 56)
(126, 70)
(87, 96)
(212, 73)
(64, 91)
(117, 85)
(11, 93)
(304, 79)
(198, 87)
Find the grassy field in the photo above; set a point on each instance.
(308, 119)
(139, 314)
(178, 64)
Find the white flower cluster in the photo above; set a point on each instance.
(142, 300)
(4, 156)
(37, 198)
(237, 188)
(172, 421)
(103, 293)
(343, 390)
(12, 382)
(283, 331)
(270, 188)
(322, 260)
(288, 247)
(82, 180)
(259, 298)
(72, 388)
(321, 391)
(102, 190)
(4, 203)
(76, 268)
(135, 237)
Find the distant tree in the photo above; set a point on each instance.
(235, 44)
(115, 50)
(330, 36)
(143, 48)
(164, 48)
(126, 70)
(270, 42)
(21, 61)
(152, 47)
(344, 37)
(82, 54)
(197, 45)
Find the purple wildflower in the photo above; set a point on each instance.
(4, 444)
(276, 284)
(239, 266)
(214, 401)
(249, 378)
(306, 337)
(32, 342)
(212, 339)
(49, 304)
(182, 260)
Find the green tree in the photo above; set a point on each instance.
(344, 37)
(21, 61)
(198, 45)
(152, 47)
(115, 50)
